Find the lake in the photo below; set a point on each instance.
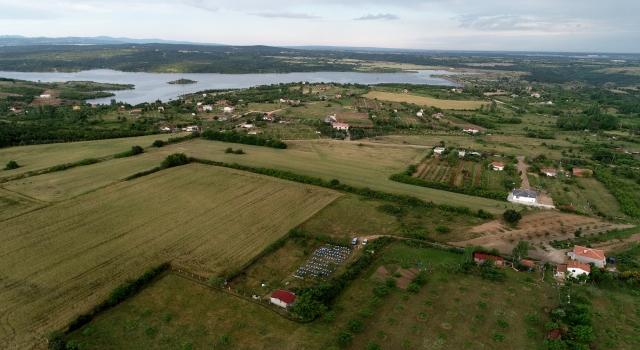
(150, 87)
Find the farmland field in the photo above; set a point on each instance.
(62, 260)
(368, 165)
(424, 101)
(598, 195)
(12, 204)
(38, 157)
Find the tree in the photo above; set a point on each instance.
(345, 338)
(330, 316)
(157, 143)
(175, 159)
(391, 282)
(468, 253)
(413, 288)
(356, 325)
(512, 216)
(520, 250)
(11, 165)
(307, 307)
(584, 333)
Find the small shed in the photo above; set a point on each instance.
(283, 298)
(480, 258)
(497, 166)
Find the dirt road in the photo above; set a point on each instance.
(523, 167)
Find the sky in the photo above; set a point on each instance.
(513, 25)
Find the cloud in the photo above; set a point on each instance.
(519, 23)
(284, 14)
(369, 16)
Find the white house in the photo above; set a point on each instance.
(229, 109)
(161, 109)
(283, 298)
(462, 153)
(576, 268)
(419, 114)
(526, 196)
(246, 125)
(285, 100)
(536, 95)
(588, 255)
(207, 108)
(438, 150)
(193, 128)
(254, 132)
(340, 126)
(497, 166)
(45, 96)
(471, 130)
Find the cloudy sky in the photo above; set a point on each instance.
(536, 25)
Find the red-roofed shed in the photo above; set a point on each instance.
(283, 298)
(481, 257)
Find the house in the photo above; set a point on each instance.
(338, 96)
(269, 117)
(528, 263)
(480, 258)
(437, 115)
(121, 109)
(438, 150)
(419, 113)
(76, 108)
(168, 128)
(462, 153)
(497, 166)
(161, 108)
(193, 128)
(560, 271)
(536, 95)
(284, 100)
(526, 196)
(283, 298)
(471, 130)
(207, 107)
(340, 126)
(294, 102)
(582, 172)
(246, 125)
(254, 132)
(554, 334)
(548, 172)
(576, 268)
(588, 255)
(228, 109)
(45, 96)
(17, 110)
(200, 109)
(135, 111)
(199, 104)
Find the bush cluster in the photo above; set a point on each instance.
(471, 191)
(214, 135)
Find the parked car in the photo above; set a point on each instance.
(365, 241)
(354, 241)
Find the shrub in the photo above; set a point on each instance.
(391, 282)
(372, 346)
(134, 151)
(532, 318)
(228, 150)
(166, 318)
(499, 337)
(238, 151)
(443, 229)
(375, 301)
(413, 287)
(225, 339)
(512, 216)
(355, 325)
(345, 338)
(174, 160)
(502, 324)
(482, 305)
(330, 316)
(11, 165)
(157, 143)
(531, 332)
(365, 313)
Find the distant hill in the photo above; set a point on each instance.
(17, 40)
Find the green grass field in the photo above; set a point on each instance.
(64, 259)
(598, 195)
(38, 157)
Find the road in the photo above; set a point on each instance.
(523, 168)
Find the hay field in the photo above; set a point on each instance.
(61, 260)
(13, 204)
(38, 157)
(63, 185)
(424, 101)
(368, 165)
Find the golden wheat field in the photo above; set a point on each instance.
(423, 101)
(60, 261)
(13, 204)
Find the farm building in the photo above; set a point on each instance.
(161, 108)
(229, 109)
(283, 298)
(577, 268)
(554, 334)
(45, 96)
(536, 95)
(588, 255)
(438, 150)
(528, 263)
(419, 114)
(246, 125)
(294, 102)
(437, 115)
(338, 96)
(77, 108)
(548, 172)
(193, 128)
(480, 258)
(526, 196)
(135, 111)
(582, 172)
(471, 130)
(560, 271)
(497, 166)
(462, 153)
(207, 107)
(284, 100)
(340, 126)
(121, 109)
(269, 117)
(254, 132)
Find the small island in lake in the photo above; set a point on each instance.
(182, 81)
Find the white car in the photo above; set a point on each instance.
(365, 241)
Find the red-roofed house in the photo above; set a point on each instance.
(576, 268)
(481, 257)
(560, 271)
(528, 263)
(588, 255)
(471, 130)
(548, 172)
(269, 117)
(340, 126)
(582, 172)
(497, 166)
(283, 298)
(554, 334)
